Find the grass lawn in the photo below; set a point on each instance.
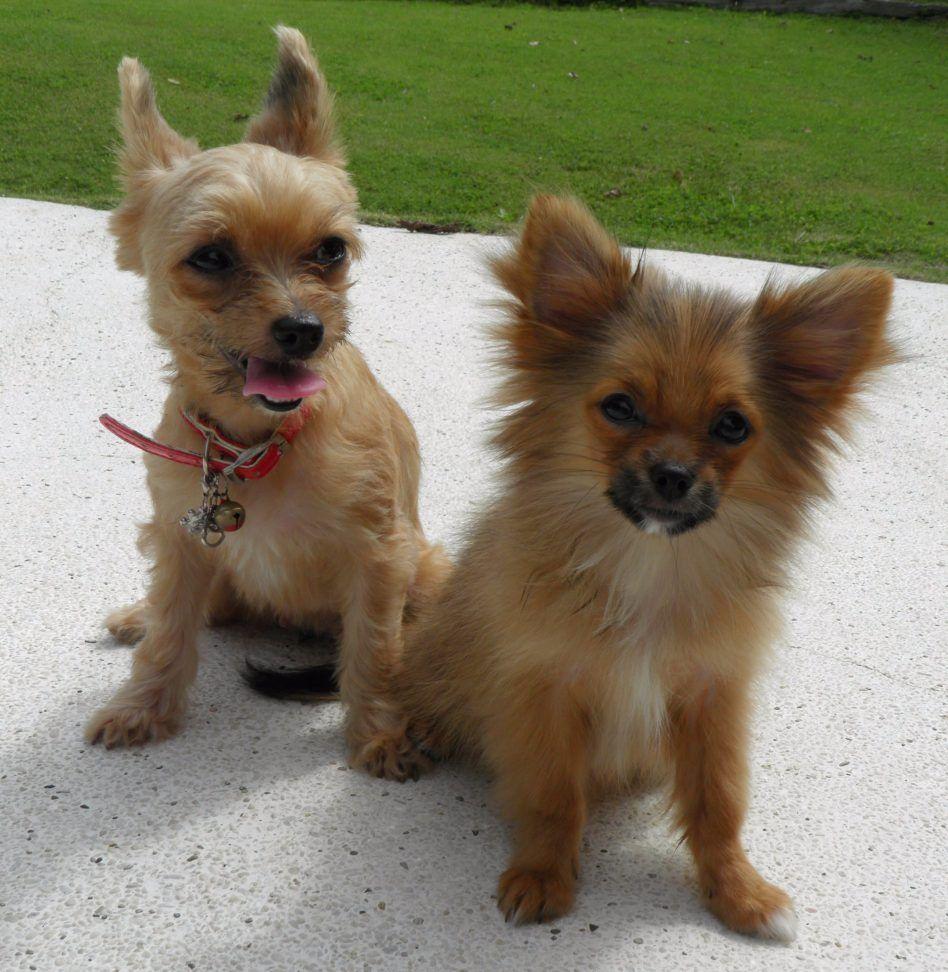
(801, 139)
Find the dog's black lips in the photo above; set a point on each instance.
(674, 522)
(278, 406)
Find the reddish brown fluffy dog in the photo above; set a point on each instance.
(663, 445)
(246, 251)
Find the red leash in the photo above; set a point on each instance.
(261, 459)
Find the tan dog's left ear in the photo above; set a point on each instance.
(297, 115)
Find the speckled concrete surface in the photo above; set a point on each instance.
(245, 843)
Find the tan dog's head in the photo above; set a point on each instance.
(669, 401)
(246, 249)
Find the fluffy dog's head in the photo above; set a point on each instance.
(668, 404)
(246, 249)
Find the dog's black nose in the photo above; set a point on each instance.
(671, 481)
(299, 335)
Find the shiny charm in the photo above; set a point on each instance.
(229, 516)
(219, 514)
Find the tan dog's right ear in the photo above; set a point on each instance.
(149, 142)
(297, 115)
(150, 146)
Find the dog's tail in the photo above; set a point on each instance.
(317, 683)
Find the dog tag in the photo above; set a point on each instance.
(194, 521)
(219, 514)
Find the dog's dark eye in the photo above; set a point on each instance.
(621, 410)
(731, 428)
(330, 251)
(211, 259)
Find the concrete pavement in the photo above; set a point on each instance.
(246, 843)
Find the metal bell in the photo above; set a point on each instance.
(229, 516)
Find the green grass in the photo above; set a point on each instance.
(801, 139)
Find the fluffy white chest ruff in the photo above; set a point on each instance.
(630, 716)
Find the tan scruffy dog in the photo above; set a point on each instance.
(663, 445)
(246, 251)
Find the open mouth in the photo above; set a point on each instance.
(279, 386)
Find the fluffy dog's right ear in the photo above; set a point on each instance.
(297, 115)
(149, 142)
(567, 276)
(150, 146)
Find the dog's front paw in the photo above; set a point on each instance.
(127, 624)
(751, 905)
(132, 723)
(391, 755)
(525, 896)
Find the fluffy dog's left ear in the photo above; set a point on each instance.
(568, 278)
(819, 340)
(297, 115)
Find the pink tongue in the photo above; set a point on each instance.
(280, 382)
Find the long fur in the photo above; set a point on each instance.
(580, 644)
(332, 538)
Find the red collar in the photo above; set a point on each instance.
(257, 460)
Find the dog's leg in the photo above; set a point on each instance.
(710, 751)
(539, 751)
(150, 704)
(369, 652)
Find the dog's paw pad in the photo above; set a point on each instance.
(525, 896)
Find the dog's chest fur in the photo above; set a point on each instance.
(287, 560)
(628, 714)
(667, 630)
